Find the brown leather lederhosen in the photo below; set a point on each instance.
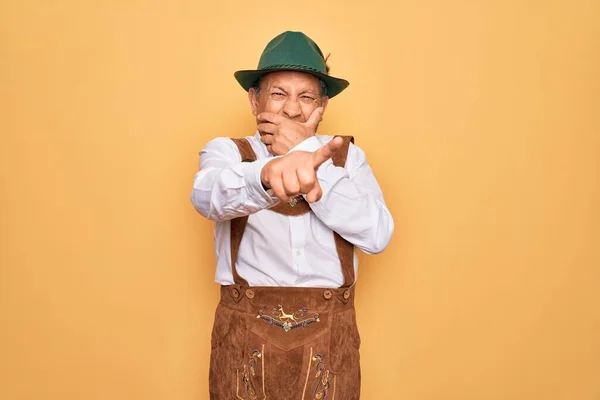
(285, 343)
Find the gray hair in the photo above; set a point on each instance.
(323, 85)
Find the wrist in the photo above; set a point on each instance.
(311, 143)
(263, 177)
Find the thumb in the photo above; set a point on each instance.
(327, 151)
(315, 193)
(315, 117)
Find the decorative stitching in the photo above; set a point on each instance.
(295, 200)
(248, 373)
(295, 66)
(307, 372)
(334, 379)
(288, 322)
(323, 378)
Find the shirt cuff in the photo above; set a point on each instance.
(256, 191)
(310, 144)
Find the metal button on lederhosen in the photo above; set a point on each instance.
(285, 342)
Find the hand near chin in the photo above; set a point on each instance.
(296, 173)
(281, 134)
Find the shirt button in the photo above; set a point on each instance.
(298, 252)
(327, 294)
(347, 294)
(250, 293)
(235, 293)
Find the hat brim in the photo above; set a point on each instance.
(248, 78)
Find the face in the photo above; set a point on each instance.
(292, 94)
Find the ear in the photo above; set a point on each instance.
(253, 99)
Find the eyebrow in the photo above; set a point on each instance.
(304, 91)
(278, 87)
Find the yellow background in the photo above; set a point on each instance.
(480, 119)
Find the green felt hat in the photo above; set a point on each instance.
(292, 51)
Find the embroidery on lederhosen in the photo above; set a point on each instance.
(278, 317)
(295, 200)
(323, 377)
(248, 374)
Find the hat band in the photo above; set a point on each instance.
(291, 66)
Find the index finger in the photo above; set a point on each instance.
(269, 117)
(327, 151)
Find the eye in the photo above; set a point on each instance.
(307, 99)
(277, 96)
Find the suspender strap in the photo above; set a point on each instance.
(238, 225)
(339, 158)
(345, 249)
(246, 151)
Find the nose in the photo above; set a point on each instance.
(292, 108)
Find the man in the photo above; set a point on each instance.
(289, 206)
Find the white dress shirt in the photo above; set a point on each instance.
(280, 250)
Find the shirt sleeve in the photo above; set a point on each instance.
(352, 203)
(227, 188)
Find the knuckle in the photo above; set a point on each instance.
(308, 180)
(275, 169)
